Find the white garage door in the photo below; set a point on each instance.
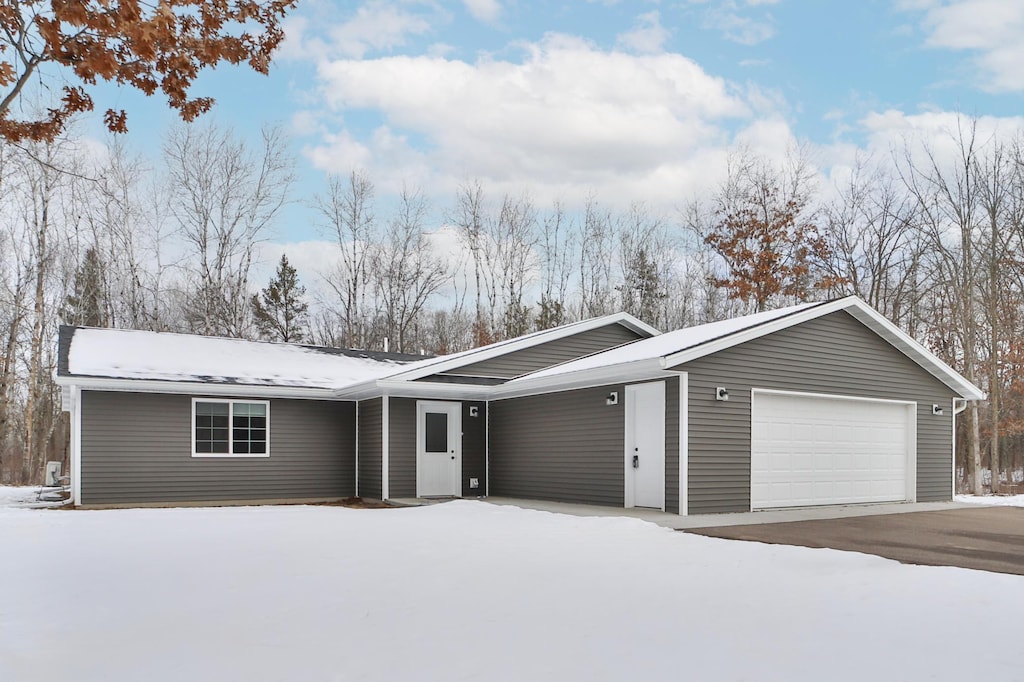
(810, 450)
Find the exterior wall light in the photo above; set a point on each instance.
(721, 393)
(612, 399)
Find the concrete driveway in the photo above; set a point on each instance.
(984, 538)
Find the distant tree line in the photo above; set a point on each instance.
(934, 241)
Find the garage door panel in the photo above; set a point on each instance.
(813, 450)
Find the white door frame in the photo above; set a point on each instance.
(911, 408)
(454, 411)
(629, 480)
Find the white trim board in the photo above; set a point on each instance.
(684, 443)
(240, 391)
(385, 448)
(76, 446)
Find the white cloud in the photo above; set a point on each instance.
(647, 36)
(991, 30)
(568, 118)
(738, 22)
(487, 11)
(377, 26)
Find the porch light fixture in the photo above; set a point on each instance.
(612, 399)
(721, 393)
(937, 410)
(474, 411)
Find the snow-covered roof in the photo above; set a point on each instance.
(667, 343)
(453, 361)
(164, 356)
(685, 345)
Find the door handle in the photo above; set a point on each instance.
(636, 461)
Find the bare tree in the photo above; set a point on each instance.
(347, 211)
(557, 244)
(947, 198)
(224, 196)
(407, 272)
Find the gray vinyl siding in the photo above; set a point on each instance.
(672, 445)
(370, 448)
(566, 446)
(833, 354)
(474, 448)
(570, 446)
(402, 447)
(551, 353)
(137, 448)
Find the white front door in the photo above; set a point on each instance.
(645, 445)
(438, 449)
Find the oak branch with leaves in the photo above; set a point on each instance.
(153, 47)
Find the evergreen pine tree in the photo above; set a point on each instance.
(279, 310)
(85, 305)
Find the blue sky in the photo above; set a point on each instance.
(625, 100)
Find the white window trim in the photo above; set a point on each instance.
(231, 431)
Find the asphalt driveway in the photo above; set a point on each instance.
(984, 538)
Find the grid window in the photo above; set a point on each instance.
(228, 427)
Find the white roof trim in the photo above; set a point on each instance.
(865, 314)
(638, 370)
(194, 388)
(446, 363)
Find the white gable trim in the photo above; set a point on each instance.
(865, 314)
(194, 388)
(523, 342)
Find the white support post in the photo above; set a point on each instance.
(385, 473)
(684, 443)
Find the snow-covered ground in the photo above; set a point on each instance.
(994, 500)
(467, 591)
(17, 496)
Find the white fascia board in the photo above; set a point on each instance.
(429, 390)
(522, 343)
(195, 388)
(628, 372)
(865, 314)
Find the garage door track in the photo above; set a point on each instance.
(985, 538)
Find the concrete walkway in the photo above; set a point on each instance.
(719, 520)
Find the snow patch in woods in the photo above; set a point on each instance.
(129, 354)
(468, 590)
(993, 500)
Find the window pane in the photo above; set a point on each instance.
(257, 410)
(240, 422)
(204, 446)
(258, 422)
(258, 447)
(204, 421)
(436, 428)
(242, 409)
(212, 408)
(240, 434)
(241, 447)
(258, 434)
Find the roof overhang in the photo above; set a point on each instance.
(91, 383)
